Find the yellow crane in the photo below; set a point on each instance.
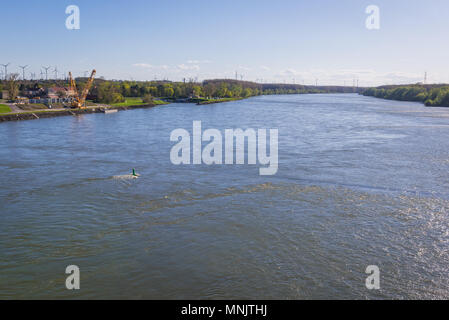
(80, 99)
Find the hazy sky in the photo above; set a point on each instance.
(271, 40)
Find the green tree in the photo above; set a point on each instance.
(197, 91)
(148, 98)
(169, 92)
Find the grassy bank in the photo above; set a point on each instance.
(4, 108)
(137, 102)
(210, 101)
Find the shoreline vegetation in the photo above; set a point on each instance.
(123, 95)
(435, 95)
(129, 94)
(217, 100)
(134, 102)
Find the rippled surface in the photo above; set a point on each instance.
(361, 181)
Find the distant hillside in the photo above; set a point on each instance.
(285, 87)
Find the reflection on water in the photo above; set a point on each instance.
(361, 181)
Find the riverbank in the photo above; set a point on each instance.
(220, 100)
(130, 103)
(38, 114)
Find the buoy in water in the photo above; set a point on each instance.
(133, 175)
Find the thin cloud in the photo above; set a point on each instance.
(142, 65)
(149, 66)
(198, 61)
(244, 68)
(188, 67)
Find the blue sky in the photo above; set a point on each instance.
(275, 41)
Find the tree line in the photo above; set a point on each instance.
(115, 91)
(430, 95)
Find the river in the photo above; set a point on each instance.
(361, 181)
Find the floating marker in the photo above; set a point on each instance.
(133, 175)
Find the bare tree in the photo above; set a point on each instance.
(12, 86)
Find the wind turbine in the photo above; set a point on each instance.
(23, 71)
(6, 68)
(46, 72)
(56, 72)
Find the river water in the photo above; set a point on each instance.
(361, 181)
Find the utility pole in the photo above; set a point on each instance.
(425, 77)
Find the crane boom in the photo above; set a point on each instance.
(87, 86)
(73, 85)
(81, 99)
